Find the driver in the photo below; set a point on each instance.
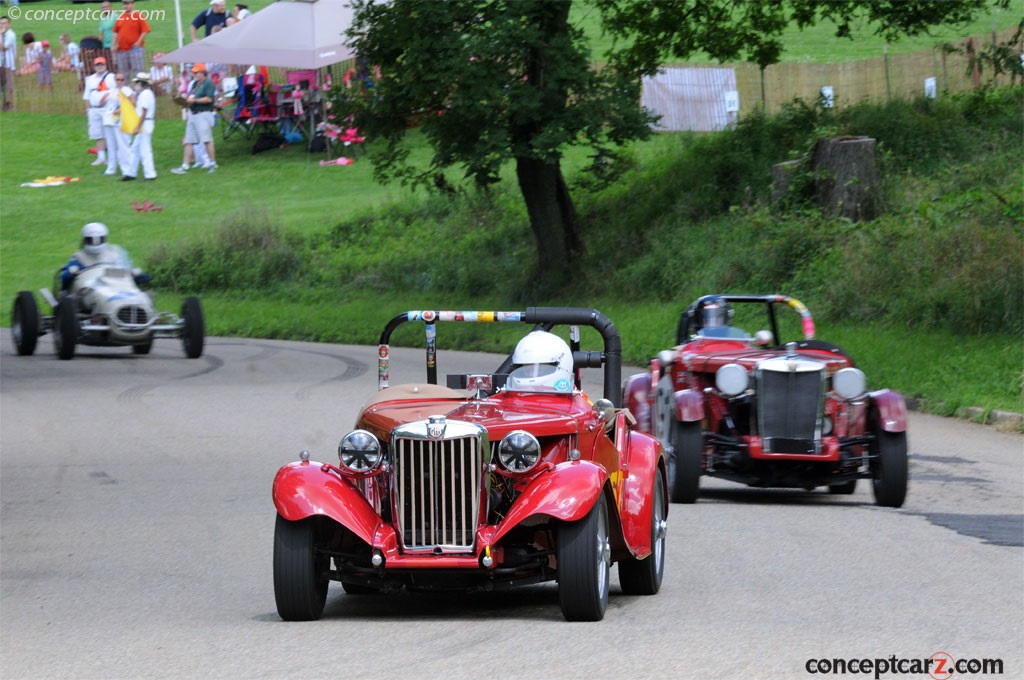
(542, 363)
(94, 251)
(713, 319)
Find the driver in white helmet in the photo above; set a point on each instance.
(542, 363)
(96, 250)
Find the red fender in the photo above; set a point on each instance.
(636, 396)
(305, 489)
(689, 406)
(891, 409)
(566, 493)
(645, 456)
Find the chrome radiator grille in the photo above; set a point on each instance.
(789, 406)
(437, 485)
(132, 314)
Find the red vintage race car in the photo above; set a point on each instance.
(766, 412)
(493, 480)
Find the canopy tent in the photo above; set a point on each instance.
(299, 34)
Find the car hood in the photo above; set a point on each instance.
(708, 357)
(499, 415)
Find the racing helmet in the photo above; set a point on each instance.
(94, 238)
(542, 363)
(714, 312)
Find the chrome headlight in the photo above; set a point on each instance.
(849, 383)
(518, 451)
(359, 451)
(732, 379)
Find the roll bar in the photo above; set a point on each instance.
(543, 318)
(686, 318)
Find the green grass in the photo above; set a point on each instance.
(369, 252)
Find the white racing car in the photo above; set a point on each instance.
(104, 306)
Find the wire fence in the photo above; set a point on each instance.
(887, 77)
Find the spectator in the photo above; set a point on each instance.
(214, 15)
(70, 56)
(131, 29)
(198, 149)
(119, 143)
(97, 87)
(107, 21)
(32, 52)
(8, 62)
(238, 12)
(142, 145)
(161, 76)
(199, 126)
(45, 70)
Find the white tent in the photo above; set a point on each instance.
(298, 34)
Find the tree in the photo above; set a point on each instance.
(492, 81)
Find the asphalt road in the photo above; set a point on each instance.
(136, 534)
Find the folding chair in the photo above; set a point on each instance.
(241, 120)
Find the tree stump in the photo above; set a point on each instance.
(846, 177)
(782, 178)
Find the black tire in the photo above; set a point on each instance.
(889, 468)
(25, 323)
(688, 450)
(144, 348)
(584, 557)
(65, 327)
(300, 583)
(193, 333)
(844, 489)
(643, 577)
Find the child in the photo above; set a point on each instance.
(45, 67)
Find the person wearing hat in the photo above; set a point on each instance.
(199, 126)
(142, 145)
(214, 15)
(45, 72)
(98, 86)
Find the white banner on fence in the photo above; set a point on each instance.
(704, 99)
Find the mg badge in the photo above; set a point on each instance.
(435, 427)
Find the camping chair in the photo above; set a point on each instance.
(266, 115)
(241, 119)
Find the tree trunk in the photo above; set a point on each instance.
(553, 217)
(846, 177)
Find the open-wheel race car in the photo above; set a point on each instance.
(767, 412)
(490, 481)
(103, 306)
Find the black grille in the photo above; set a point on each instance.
(132, 314)
(789, 406)
(437, 484)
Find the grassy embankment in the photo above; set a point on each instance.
(928, 298)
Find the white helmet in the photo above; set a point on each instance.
(94, 238)
(543, 363)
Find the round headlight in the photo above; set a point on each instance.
(359, 451)
(732, 379)
(518, 451)
(849, 383)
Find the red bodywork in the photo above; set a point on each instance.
(683, 379)
(584, 457)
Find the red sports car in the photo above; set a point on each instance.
(494, 480)
(766, 412)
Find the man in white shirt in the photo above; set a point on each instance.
(99, 86)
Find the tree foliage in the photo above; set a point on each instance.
(489, 82)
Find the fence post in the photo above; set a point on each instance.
(885, 58)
